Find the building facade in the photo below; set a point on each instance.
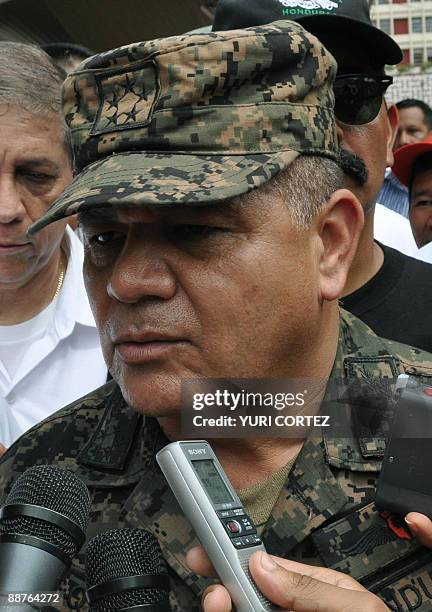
(409, 22)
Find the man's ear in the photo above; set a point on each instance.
(338, 228)
(393, 119)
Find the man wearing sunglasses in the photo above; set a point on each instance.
(381, 281)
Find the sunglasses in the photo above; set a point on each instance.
(358, 97)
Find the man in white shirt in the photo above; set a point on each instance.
(49, 345)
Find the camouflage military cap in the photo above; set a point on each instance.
(195, 119)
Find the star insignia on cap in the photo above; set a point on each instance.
(126, 99)
(113, 103)
(128, 86)
(132, 114)
(113, 119)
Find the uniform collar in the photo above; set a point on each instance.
(367, 368)
(310, 496)
(123, 445)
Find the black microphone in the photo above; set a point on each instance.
(42, 527)
(125, 570)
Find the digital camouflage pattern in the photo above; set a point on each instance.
(325, 514)
(195, 118)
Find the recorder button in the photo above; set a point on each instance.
(256, 539)
(246, 523)
(223, 514)
(233, 527)
(248, 540)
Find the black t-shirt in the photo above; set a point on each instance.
(397, 302)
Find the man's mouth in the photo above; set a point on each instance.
(12, 247)
(146, 347)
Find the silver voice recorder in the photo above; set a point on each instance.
(215, 511)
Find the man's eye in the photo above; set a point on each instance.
(423, 203)
(39, 177)
(105, 238)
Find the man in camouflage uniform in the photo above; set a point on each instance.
(217, 243)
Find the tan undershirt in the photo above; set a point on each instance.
(260, 499)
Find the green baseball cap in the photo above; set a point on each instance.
(195, 119)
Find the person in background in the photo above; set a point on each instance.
(413, 167)
(67, 56)
(415, 123)
(49, 346)
(381, 280)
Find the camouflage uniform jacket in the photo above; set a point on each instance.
(325, 514)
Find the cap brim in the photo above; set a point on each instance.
(160, 179)
(405, 158)
(381, 44)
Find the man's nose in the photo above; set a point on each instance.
(141, 272)
(12, 207)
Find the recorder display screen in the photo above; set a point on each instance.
(212, 481)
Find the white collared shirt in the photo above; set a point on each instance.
(61, 364)
(394, 230)
(426, 252)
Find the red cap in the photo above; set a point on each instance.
(406, 156)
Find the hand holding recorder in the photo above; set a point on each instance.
(294, 587)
